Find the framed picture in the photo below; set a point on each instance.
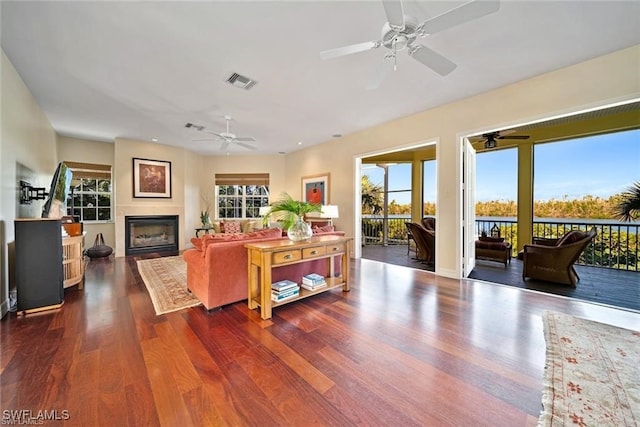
(315, 189)
(151, 178)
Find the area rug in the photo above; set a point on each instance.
(592, 373)
(166, 281)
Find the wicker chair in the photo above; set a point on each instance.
(425, 242)
(555, 263)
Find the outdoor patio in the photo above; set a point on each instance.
(601, 285)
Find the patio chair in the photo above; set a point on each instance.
(410, 247)
(425, 242)
(555, 263)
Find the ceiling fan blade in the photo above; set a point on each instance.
(395, 14)
(244, 139)
(348, 50)
(205, 139)
(224, 145)
(380, 74)
(514, 137)
(459, 15)
(432, 59)
(242, 144)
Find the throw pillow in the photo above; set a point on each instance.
(231, 227)
(323, 229)
(571, 237)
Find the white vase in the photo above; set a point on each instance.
(299, 231)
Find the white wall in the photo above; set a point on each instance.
(593, 83)
(82, 150)
(27, 138)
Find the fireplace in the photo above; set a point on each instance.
(151, 233)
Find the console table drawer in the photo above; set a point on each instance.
(284, 257)
(313, 252)
(337, 248)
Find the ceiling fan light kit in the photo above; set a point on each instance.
(401, 31)
(227, 137)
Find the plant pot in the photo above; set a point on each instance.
(299, 231)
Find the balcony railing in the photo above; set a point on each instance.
(615, 245)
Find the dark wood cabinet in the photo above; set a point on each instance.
(38, 264)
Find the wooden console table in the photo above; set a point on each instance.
(264, 256)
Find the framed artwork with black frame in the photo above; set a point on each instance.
(151, 178)
(315, 189)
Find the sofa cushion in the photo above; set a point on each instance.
(251, 225)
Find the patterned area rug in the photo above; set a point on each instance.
(592, 373)
(166, 281)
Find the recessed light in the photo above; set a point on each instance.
(154, 139)
(299, 142)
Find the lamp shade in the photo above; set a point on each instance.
(264, 210)
(329, 211)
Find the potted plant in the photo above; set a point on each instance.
(290, 213)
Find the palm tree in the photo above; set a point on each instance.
(372, 197)
(629, 207)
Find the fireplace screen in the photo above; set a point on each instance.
(145, 234)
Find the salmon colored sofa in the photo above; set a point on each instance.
(217, 272)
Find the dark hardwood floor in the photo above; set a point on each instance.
(617, 288)
(404, 347)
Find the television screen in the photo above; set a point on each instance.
(56, 204)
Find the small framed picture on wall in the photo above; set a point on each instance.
(151, 178)
(315, 189)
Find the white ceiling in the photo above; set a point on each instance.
(142, 70)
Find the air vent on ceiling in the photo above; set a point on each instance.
(241, 81)
(192, 126)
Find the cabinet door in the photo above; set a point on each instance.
(38, 259)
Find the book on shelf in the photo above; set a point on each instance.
(313, 278)
(283, 296)
(283, 285)
(314, 287)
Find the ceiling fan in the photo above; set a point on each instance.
(227, 137)
(490, 139)
(401, 31)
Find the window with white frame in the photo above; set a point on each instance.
(240, 196)
(90, 198)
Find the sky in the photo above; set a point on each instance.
(599, 166)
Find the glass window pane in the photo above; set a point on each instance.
(88, 185)
(89, 214)
(104, 214)
(104, 185)
(89, 200)
(104, 200)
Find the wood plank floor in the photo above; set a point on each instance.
(404, 347)
(617, 288)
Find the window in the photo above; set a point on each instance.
(90, 197)
(241, 195)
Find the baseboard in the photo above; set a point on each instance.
(451, 274)
(4, 308)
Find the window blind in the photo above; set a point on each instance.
(242, 179)
(89, 170)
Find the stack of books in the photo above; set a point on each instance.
(313, 281)
(284, 290)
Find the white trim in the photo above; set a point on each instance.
(357, 165)
(4, 308)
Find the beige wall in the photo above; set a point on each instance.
(127, 205)
(600, 81)
(82, 150)
(27, 138)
